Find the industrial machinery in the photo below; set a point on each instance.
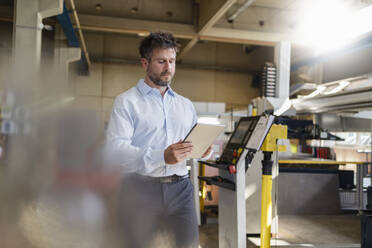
(250, 135)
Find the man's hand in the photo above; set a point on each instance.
(177, 152)
(207, 152)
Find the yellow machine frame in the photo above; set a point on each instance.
(268, 147)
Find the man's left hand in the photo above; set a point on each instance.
(207, 152)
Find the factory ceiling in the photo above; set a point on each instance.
(252, 22)
(240, 22)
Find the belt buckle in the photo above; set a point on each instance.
(166, 180)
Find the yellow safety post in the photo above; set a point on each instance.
(269, 145)
(266, 201)
(202, 187)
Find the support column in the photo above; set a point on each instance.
(359, 187)
(24, 88)
(28, 29)
(194, 172)
(282, 60)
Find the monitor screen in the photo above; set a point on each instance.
(240, 132)
(238, 139)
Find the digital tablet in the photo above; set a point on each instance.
(202, 136)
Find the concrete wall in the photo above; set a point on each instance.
(107, 80)
(229, 82)
(116, 69)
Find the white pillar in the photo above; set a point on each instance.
(194, 172)
(28, 29)
(24, 84)
(282, 60)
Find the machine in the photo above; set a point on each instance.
(250, 135)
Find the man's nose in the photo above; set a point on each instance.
(167, 65)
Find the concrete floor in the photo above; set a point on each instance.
(326, 231)
(57, 224)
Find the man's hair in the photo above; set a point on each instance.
(156, 40)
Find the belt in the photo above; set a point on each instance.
(167, 179)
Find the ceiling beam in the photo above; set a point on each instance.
(183, 31)
(188, 47)
(245, 36)
(210, 12)
(133, 26)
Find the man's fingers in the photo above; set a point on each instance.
(183, 156)
(178, 146)
(179, 151)
(183, 151)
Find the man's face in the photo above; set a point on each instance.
(162, 66)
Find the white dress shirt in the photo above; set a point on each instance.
(143, 124)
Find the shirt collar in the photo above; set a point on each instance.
(170, 91)
(145, 89)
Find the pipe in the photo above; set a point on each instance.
(238, 11)
(81, 36)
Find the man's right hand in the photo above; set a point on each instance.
(177, 152)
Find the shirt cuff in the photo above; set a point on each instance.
(158, 157)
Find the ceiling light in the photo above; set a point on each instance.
(336, 24)
(143, 34)
(48, 27)
(364, 150)
(98, 7)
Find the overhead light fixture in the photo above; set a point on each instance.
(48, 27)
(98, 7)
(364, 150)
(143, 34)
(336, 24)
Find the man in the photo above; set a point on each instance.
(145, 133)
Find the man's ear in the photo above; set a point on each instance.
(144, 63)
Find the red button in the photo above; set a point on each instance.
(232, 169)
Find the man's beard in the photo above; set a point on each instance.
(157, 80)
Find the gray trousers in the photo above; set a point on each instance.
(150, 211)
